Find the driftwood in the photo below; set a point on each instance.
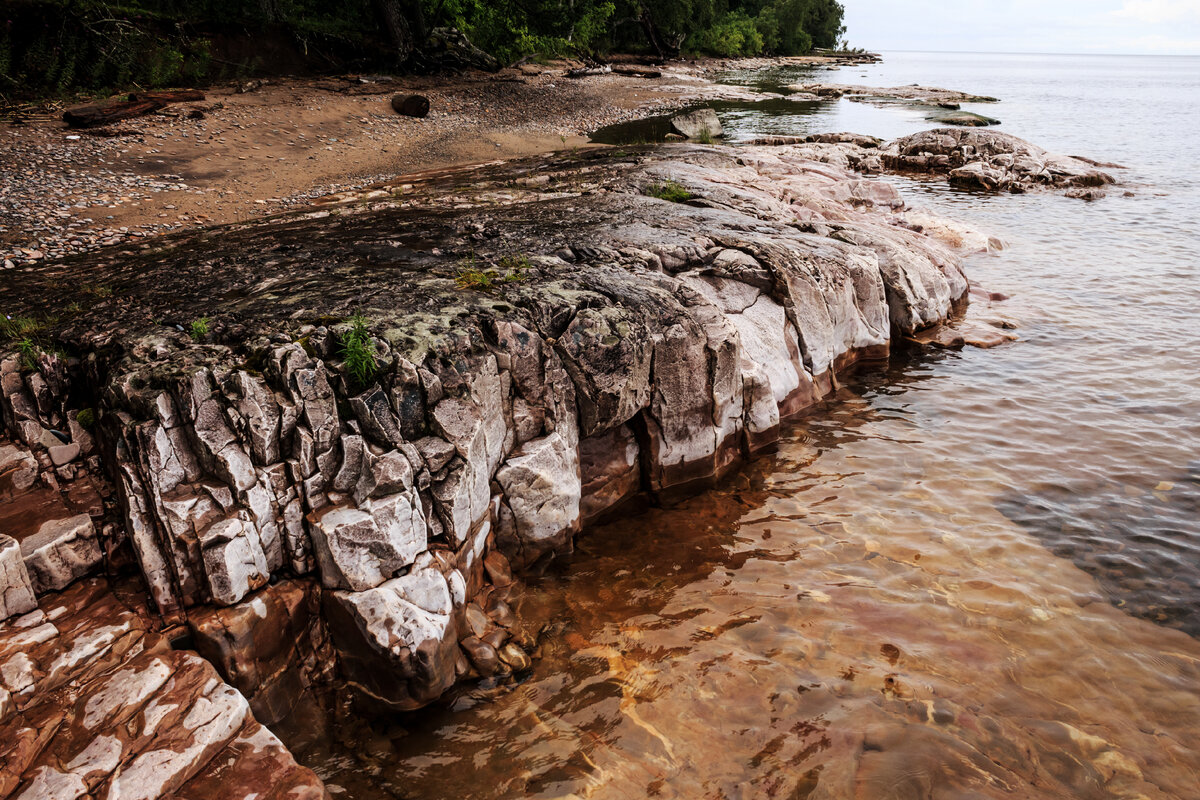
(411, 105)
(583, 72)
(635, 71)
(138, 105)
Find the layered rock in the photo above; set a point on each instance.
(992, 161)
(95, 704)
(535, 343)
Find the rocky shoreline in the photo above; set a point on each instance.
(317, 446)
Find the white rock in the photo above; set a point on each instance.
(60, 552)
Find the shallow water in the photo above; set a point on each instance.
(973, 575)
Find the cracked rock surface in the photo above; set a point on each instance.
(544, 340)
(95, 704)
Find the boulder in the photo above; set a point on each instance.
(702, 123)
(990, 161)
(397, 642)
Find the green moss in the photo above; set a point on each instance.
(670, 191)
(86, 418)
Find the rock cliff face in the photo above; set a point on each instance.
(380, 408)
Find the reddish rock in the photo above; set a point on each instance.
(93, 702)
(272, 647)
(482, 656)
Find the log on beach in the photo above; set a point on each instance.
(139, 104)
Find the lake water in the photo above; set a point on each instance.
(974, 575)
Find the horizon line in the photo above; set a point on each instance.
(1035, 53)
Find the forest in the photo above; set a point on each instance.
(57, 47)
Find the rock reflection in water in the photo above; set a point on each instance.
(816, 629)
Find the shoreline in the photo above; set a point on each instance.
(238, 155)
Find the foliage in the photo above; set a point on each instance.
(55, 47)
(734, 34)
(670, 191)
(358, 353)
(198, 329)
(17, 328)
(28, 352)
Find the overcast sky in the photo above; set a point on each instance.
(1026, 26)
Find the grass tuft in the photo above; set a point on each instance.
(28, 352)
(358, 353)
(670, 191)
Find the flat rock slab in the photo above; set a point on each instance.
(879, 95)
(93, 702)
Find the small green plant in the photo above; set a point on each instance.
(704, 137)
(28, 352)
(472, 277)
(98, 291)
(670, 191)
(358, 353)
(86, 418)
(516, 268)
(198, 329)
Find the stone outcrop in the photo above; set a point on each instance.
(991, 161)
(400, 397)
(93, 703)
(698, 124)
(941, 106)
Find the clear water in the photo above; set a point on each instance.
(974, 575)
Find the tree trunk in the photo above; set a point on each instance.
(395, 26)
(664, 48)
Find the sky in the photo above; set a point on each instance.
(1026, 26)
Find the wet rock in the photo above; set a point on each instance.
(515, 657)
(498, 569)
(483, 656)
(965, 119)
(990, 161)
(397, 642)
(61, 552)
